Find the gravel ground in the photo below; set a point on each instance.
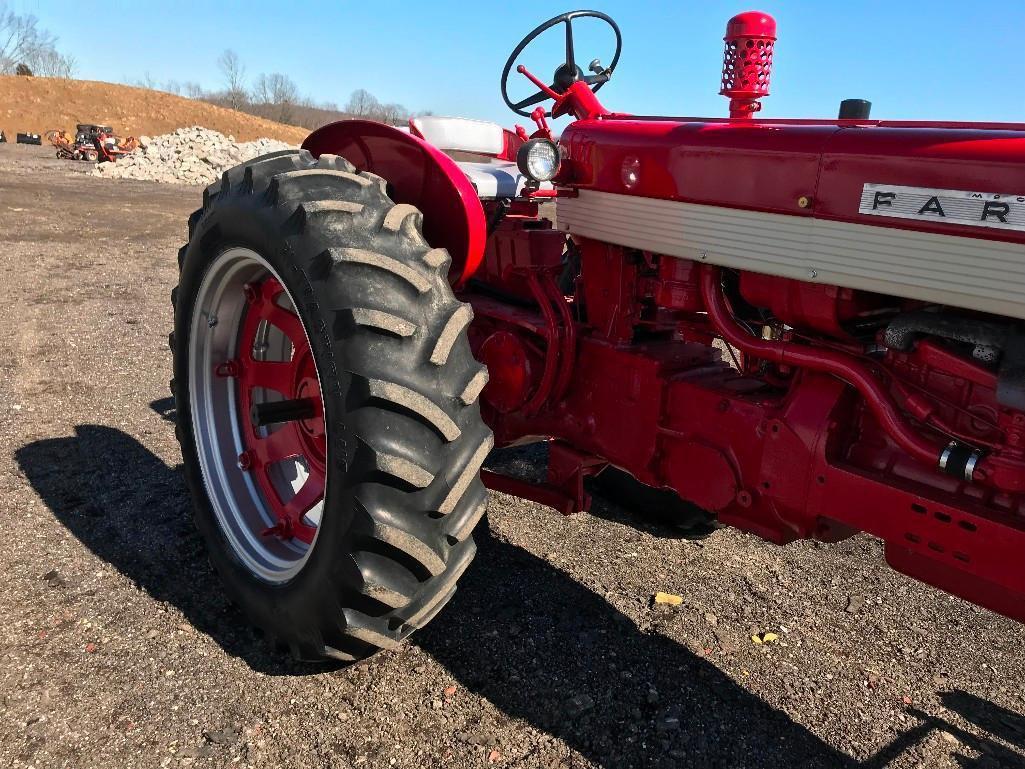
(118, 649)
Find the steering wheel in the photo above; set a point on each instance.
(568, 73)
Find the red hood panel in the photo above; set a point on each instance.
(773, 165)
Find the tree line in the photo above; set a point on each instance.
(276, 97)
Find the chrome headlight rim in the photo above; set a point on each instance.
(539, 159)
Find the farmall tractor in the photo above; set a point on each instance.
(805, 328)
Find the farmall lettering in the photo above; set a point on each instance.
(975, 209)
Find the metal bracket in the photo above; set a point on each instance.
(564, 487)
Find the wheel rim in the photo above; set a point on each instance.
(257, 415)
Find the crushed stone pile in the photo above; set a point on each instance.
(194, 155)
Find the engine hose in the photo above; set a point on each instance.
(838, 364)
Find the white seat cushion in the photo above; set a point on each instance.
(497, 179)
(461, 134)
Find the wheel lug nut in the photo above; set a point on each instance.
(245, 461)
(228, 368)
(251, 293)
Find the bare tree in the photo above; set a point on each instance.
(234, 78)
(23, 43)
(392, 114)
(284, 95)
(362, 103)
(193, 90)
(279, 93)
(53, 64)
(261, 90)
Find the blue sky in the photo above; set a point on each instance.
(941, 60)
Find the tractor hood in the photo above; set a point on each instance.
(963, 179)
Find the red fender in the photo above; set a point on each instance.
(419, 174)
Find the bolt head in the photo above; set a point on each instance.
(245, 461)
(229, 368)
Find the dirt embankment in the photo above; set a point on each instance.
(38, 104)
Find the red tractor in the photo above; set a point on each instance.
(806, 328)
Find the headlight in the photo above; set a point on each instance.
(539, 159)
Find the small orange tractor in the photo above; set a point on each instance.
(94, 143)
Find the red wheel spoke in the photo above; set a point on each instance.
(310, 494)
(263, 305)
(282, 444)
(270, 289)
(305, 533)
(288, 322)
(273, 375)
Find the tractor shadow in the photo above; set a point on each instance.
(138, 518)
(988, 717)
(524, 634)
(548, 651)
(995, 721)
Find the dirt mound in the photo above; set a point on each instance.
(38, 104)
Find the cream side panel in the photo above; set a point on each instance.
(976, 274)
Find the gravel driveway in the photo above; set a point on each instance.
(118, 649)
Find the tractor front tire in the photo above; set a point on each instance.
(396, 443)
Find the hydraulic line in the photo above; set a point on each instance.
(838, 364)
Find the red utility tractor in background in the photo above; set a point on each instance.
(807, 328)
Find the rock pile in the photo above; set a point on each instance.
(187, 156)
